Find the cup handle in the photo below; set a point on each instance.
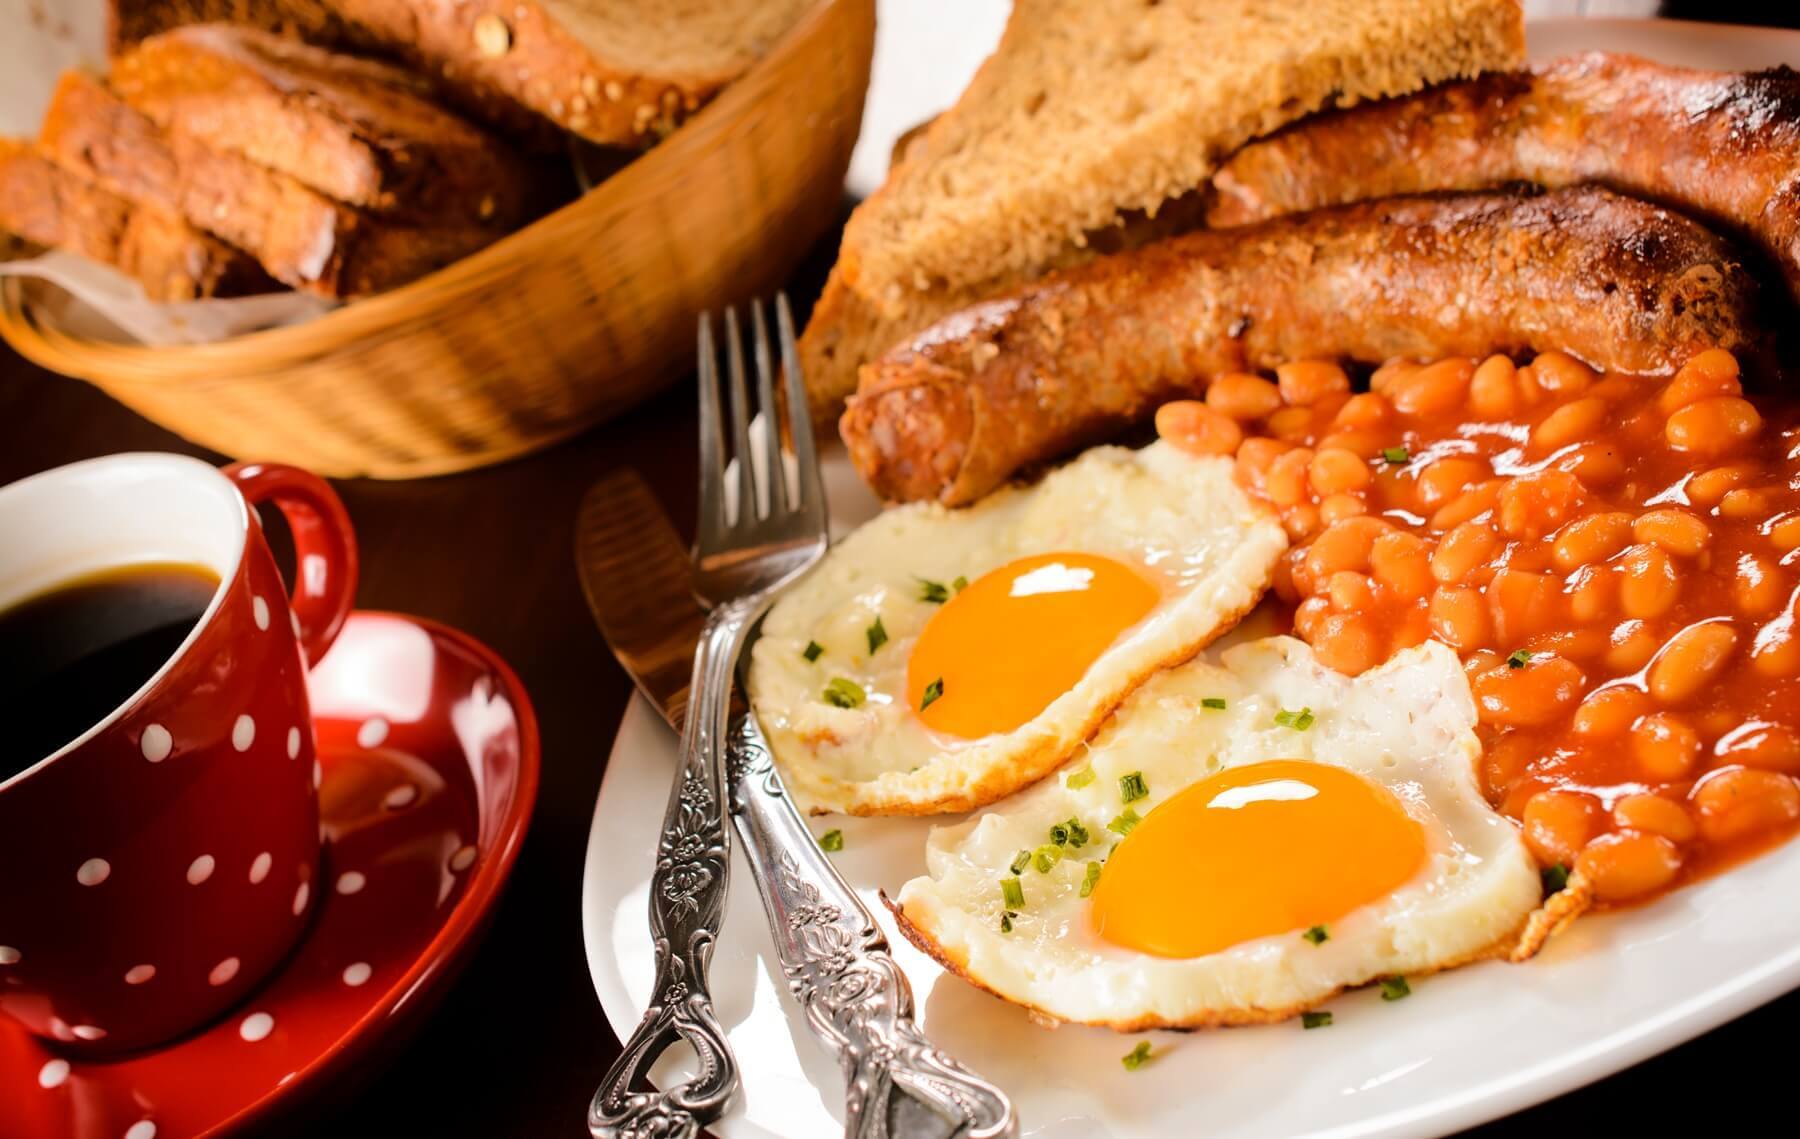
(324, 547)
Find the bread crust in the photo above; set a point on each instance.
(1061, 362)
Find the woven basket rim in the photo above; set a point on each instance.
(374, 315)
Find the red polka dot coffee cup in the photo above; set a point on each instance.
(157, 865)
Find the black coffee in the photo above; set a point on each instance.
(70, 655)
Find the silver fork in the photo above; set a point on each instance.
(750, 544)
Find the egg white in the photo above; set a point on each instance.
(1180, 519)
(1407, 726)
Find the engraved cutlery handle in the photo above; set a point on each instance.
(899, 1086)
(687, 903)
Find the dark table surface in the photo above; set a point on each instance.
(519, 1042)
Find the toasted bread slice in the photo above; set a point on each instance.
(48, 205)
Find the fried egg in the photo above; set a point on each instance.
(1241, 841)
(937, 660)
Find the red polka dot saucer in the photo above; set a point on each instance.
(427, 773)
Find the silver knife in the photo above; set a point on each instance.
(634, 572)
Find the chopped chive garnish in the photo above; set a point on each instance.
(1079, 779)
(1093, 878)
(1315, 1020)
(877, 634)
(961, 583)
(1045, 857)
(1071, 833)
(1020, 861)
(1299, 721)
(1137, 1057)
(1132, 787)
(933, 692)
(1124, 824)
(1395, 988)
(1396, 455)
(933, 591)
(1318, 935)
(832, 841)
(1012, 892)
(813, 651)
(1555, 878)
(844, 693)
(1006, 921)
(1216, 703)
(1519, 659)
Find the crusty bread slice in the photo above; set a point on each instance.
(359, 131)
(1089, 117)
(129, 22)
(51, 206)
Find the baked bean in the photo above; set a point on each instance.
(1494, 389)
(1542, 691)
(1462, 551)
(1691, 660)
(1471, 504)
(1713, 426)
(1335, 471)
(1611, 711)
(1443, 479)
(1308, 381)
(1713, 372)
(1735, 803)
(1344, 546)
(1402, 562)
(1197, 428)
(1755, 588)
(1310, 614)
(1282, 579)
(1459, 617)
(1363, 411)
(1562, 374)
(1301, 521)
(1746, 502)
(1665, 746)
(1364, 444)
(1242, 396)
(1591, 539)
(1570, 423)
(1708, 487)
(1557, 824)
(1628, 864)
(1337, 507)
(1674, 530)
(1350, 592)
(1776, 650)
(1576, 644)
(1524, 603)
(1348, 642)
(1286, 483)
(1784, 531)
(1650, 585)
(1290, 424)
(1655, 814)
(1595, 464)
(1772, 747)
(1432, 390)
(1633, 644)
(1383, 377)
(1255, 457)
(1533, 505)
(1593, 593)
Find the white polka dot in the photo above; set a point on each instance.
(142, 1129)
(259, 609)
(93, 872)
(373, 732)
(138, 974)
(89, 1032)
(462, 859)
(401, 796)
(200, 869)
(53, 1073)
(156, 743)
(318, 774)
(59, 1028)
(293, 742)
(351, 882)
(223, 972)
(256, 1026)
(259, 869)
(243, 733)
(357, 974)
(9, 955)
(300, 896)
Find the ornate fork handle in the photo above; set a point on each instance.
(838, 966)
(687, 903)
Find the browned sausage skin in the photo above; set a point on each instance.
(1068, 359)
(1722, 146)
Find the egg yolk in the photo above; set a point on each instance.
(1257, 850)
(1016, 638)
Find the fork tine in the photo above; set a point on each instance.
(774, 469)
(712, 460)
(740, 420)
(811, 494)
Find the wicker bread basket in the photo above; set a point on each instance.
(549, 331)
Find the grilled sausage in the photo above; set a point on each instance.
(1721, 146)
(1077, 355)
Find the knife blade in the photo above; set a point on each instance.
(634, 572)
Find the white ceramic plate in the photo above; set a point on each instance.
(1466, 1047)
